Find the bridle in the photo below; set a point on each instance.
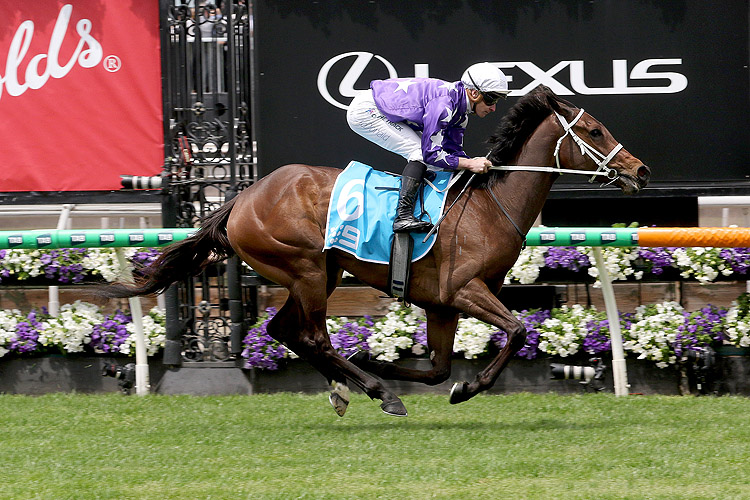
(601, 160)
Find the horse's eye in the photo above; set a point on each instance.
(595, 133)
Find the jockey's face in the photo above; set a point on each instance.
(481, 109)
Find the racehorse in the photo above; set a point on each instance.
(277, 226)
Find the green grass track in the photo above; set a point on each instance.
(286, 446)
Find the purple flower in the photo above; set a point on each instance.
(598, 339)
(350, 338)
(64, 264)
(737, 258)
(111, 334)
(260, 349)
(144, 257)
(657, 258)
(567, 258)
(701, 328)
(26, 335)
(532, 319)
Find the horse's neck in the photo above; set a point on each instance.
(526, 192)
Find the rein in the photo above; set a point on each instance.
(601, 160)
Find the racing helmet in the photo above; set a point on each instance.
(488, 80)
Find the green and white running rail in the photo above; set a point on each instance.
(92, 238)
(537, 236)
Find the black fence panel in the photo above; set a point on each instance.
(206, 54)
(668, 78)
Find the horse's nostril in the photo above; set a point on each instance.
(644, 172)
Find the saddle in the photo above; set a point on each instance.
(360, 220)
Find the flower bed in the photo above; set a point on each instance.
(660, 333)
(79, 328)
(69, 265)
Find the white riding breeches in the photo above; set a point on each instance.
(365, 119)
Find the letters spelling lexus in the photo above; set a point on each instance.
(621, 78)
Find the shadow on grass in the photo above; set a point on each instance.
(419, 424)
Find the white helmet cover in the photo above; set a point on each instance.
(485, 77)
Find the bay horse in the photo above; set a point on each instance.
(277, 226)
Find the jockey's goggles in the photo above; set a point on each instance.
(491, 98)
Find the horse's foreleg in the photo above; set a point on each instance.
(441, 330)
(476, 299)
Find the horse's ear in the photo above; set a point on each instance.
(559, 105)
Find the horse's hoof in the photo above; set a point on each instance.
(459, 393)
(339, 398)
(395, 408)
(339, 404)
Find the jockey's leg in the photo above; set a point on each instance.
(411, 179)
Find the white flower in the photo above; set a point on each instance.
(154, 333)
(472, 337)
(527, 266)
(617, 261)
(71, 329)
(394, 332)
(104, 261)
(8, 321)
(737, 327)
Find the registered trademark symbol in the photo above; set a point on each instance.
(112, 63)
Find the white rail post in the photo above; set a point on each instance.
(619, 369)
(53, 301)
(142, 384)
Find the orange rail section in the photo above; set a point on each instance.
(720, 237)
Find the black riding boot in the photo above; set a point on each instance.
(405, 221)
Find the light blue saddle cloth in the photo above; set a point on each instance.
(362, 209)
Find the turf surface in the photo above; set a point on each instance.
(284, 446)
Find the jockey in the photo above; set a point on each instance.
(424, 120)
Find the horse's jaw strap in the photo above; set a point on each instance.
(601, 160)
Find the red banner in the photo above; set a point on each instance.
(80, 94)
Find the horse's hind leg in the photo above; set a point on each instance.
(310, 340)
(285, 327)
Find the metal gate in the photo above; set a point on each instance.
(207, 80)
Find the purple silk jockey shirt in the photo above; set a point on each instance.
(437, 109)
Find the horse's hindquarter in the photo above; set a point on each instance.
(277, 225)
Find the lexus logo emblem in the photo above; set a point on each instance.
(346, 87)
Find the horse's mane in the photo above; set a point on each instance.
(516, 126)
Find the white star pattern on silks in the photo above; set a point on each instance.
(465, 121)
(448, 85)
(437, 139)
(403, 85)
(441, 156)
(451, 113)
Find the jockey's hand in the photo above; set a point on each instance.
(477, 165)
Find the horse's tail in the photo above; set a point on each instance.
(210, 244)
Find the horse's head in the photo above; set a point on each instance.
(586, 144)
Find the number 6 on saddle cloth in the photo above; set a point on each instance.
(360, 219)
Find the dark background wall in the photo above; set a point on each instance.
(696, 140)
